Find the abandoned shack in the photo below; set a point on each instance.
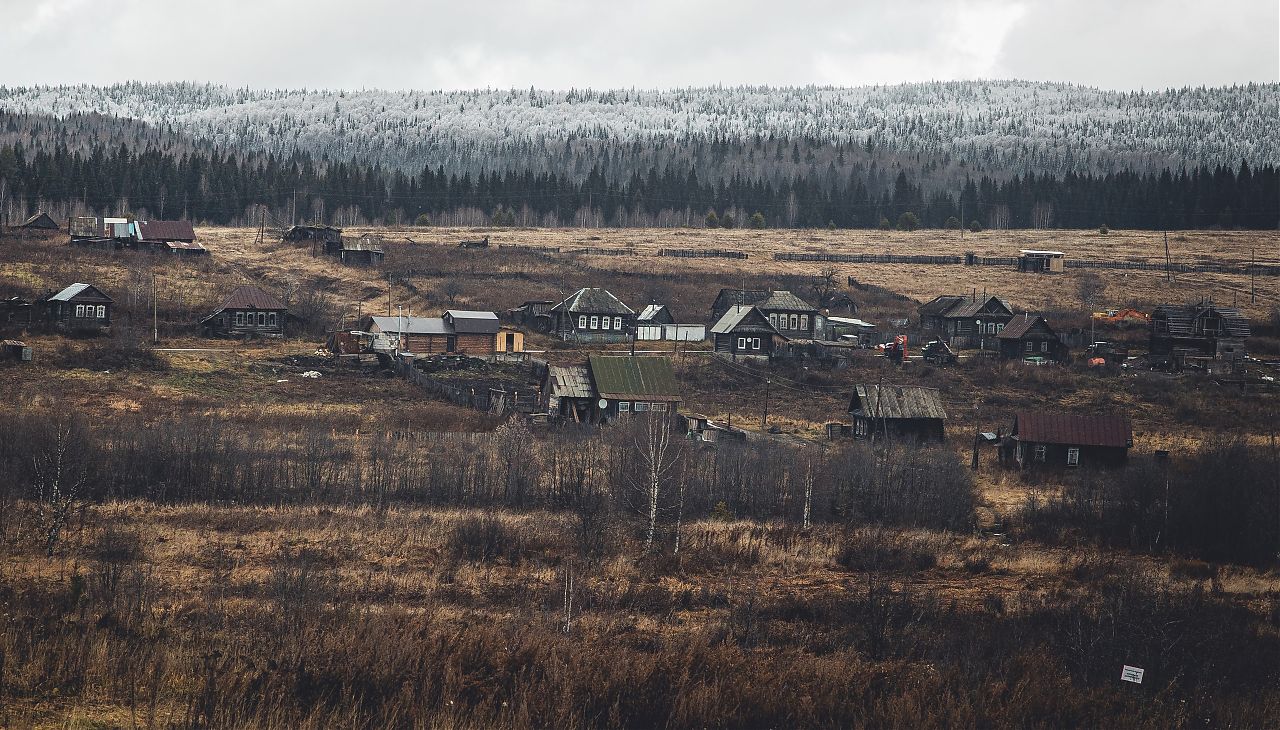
(567, 393)
(15, 350)
(78, 308)
(247, 312)
(1061, 440)
(593, 315)
(897, 412)
(1201, 330)
(363, 251)
(41, 221)
(1030, 337)
(966, 322)
(627, 384)
(16, 313)
(1041, 262)
(534, 314)
(313, 234)
(744, 331)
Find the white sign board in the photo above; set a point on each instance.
(1131, 674)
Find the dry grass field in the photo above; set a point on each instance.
(335, 575)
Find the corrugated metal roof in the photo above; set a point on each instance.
(76, 290)
(1019, 326)
(473, 322)
(626, 377)
(570, 381)
(251, 297)
(650, 311)
(738, 318)
(166, 231)
(413, 325)
(1073, 430)
(972, 308)
(851, 321)
(896, 401)
(593, 300)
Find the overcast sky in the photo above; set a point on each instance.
(399, 44)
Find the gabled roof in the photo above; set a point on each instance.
(362, 244)
(1181, 318)
(40, 220)
(784, 300)
(569, 381)
(896, 401)
(251, 297)
(940, 305)
(593, 300)
(413, 325)
(650, 311)
(1063, 428)
(640, 378)
(959, 306)
(166, 231)
(470, 322)
(741, 319)
(971, 308)
(1019, 326)
(86, 291)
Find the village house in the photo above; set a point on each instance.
(898, 412)
(247, 312)
(609, 387)
(78, 308)
(457, 332)
(1030, 336)
(175, 237)
(966, 322)
(1059, 440)
(744, 331)
(593, 315)
(789, 314)
(1201, 330)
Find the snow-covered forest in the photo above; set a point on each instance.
(959, 128)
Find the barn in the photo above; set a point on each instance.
(899, 412)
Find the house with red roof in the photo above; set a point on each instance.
(1041, 439)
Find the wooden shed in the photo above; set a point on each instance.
(1042, 262)
(901, 412)
(41, 221)
(567, 393)
(313, 234)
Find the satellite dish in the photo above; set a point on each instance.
(603, 404)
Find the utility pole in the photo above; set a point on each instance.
(764, 416)
(1168, 272)
(961, 214)
(388, 293)
(1253, 273)
(155, 312)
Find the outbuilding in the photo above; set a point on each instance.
(1041, 439)
(1031, 336)
(902, 412)
(1041, 262)
(41, 221)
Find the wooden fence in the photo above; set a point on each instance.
(973, 260)
(702, 253)
(498, 401)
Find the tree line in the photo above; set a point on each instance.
(227, 188)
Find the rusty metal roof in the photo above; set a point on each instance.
(251, 297)
(1072, 430)
(896, 401)
(166, 231)
(634, 378)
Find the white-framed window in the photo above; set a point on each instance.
(804, 321)
(860, 428)
(79, 310)
(1041, 452)
(773, 320)
(742, 343)
(102, 311)
(595, 322)
(1073, 456)
(582, 321)
(624, 406)
(617, 323)
(271, 319)
(1044, 347)
(999, 328)
(239, 318)
(641, 406)
(991, 328)
(658, 406)
(795, 322)
(1031, 347)
(262, 319)
(755, 343)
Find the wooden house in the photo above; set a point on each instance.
(1041, 262)
(966, 322)
(457, 332)
(655, 314)
(593, 315)
(627, 385)
(789, 314)
(897, 412)
(1197, 330)
(534, 314)
(1060, 440)
(744, 331)
(247, 312)
(79, 307)
(1031, 336)
(39, 222)
(16, 313)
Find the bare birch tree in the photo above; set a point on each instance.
(658, 455)
(60, 470)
